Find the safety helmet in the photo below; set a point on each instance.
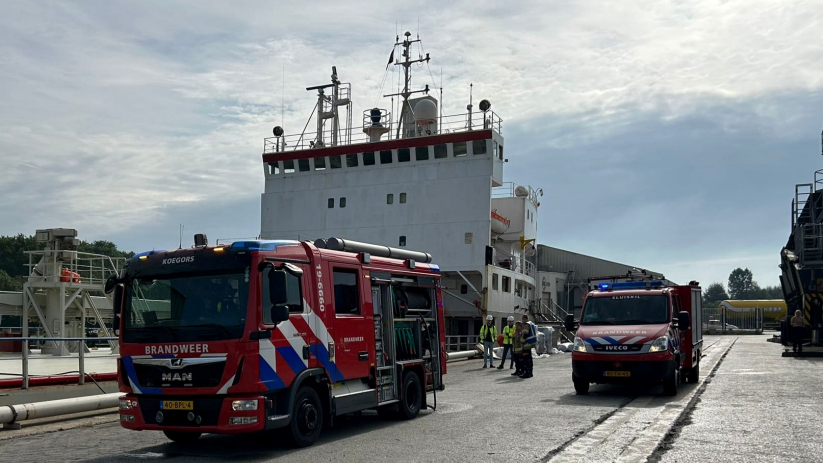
(489, 317)
(511, 319)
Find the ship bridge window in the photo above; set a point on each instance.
(403, 155)
(389, 198)
(368, 158)
(459, 149)
(479, 147)
(334, 162)
(351, 160)
(402, 240)
(288, 166)
(500, 152)
(440, 151)
(274, 168)
(495, 283)
(402, 198)
(331, 203)
(421, 153)
(507, 284)
(303, 165)
(319, 163)
(386, 157)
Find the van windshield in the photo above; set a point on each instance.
(626, 310)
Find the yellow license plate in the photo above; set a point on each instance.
(177, 405)
(618, 373)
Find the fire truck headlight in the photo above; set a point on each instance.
(127, 404)
(660, 344)
(244, 405)
(579, 345)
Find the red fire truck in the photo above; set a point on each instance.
(637, 329)
(262, 335)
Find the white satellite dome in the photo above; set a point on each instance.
(521, 191)
(425, 112)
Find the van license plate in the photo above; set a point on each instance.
(617, 373)
(177, 405)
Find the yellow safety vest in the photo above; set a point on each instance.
(485, 328)
(508, 334)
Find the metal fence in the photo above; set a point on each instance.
(718, 320)
(81, 354)
(461, 343)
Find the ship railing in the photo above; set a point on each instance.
(82, 267)
(446, 124)
(461, 343)
(508, 190)
(518, 264)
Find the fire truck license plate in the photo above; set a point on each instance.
(177, 405)
(617, 373)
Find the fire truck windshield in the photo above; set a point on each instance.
(626, 310)
(171, 308)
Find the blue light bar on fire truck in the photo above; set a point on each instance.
(259, 245)
(624, 285)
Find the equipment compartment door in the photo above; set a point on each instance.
(353, 321)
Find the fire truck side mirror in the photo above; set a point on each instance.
(111, 282)
(117, 307)
(570, 323)
(278, 295)
(684, 320)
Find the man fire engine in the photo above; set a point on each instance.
(637, 328)
(261, 335)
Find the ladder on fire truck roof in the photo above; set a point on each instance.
(634, 274)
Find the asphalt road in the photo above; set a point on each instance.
(484, 415)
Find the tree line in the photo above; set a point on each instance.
(13, 261)
(741, 286)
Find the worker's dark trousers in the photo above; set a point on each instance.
(528, 363)
(797, 339)
(507, 349)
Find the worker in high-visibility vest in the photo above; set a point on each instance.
(529, 342)
(508, 336)
(488, 333)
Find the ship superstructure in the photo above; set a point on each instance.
(422, 181)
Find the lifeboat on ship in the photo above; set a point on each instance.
(499, 223)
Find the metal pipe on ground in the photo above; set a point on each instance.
(466, 354)
(12, 415)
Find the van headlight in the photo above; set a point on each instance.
(579, 345)
(660, 344)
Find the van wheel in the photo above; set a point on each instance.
(412, 398)
(670, 383)
(694, 374)
(581, 387)
(182, 436)
(306, 417)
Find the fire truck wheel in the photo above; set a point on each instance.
(694, 374)
(306, 417)
(182, 436)
(581, 387)
(412, 396)
(670, 383)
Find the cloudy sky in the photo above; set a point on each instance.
(665, 134)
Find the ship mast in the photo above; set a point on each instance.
(406, 93)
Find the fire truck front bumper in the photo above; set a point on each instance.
(220, 415)
(623, 369)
